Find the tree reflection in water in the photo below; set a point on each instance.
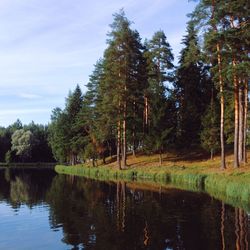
(109, 215)
(98, 215)
(24, 186)
(241, 229)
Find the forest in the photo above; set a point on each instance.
(138, 101)
(25, 143)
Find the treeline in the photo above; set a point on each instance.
(25, 143)
(137, 100)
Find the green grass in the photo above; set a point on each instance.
(231, 187)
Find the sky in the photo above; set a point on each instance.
(49, 46)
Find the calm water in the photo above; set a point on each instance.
(42, 210)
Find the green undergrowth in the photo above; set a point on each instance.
(232, 188)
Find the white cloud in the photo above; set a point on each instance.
(23, 111)
(29, 96)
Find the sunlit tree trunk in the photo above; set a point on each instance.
(145, 115)
(222, 101)
(245, 120)
(222, 108)
(211, 154)
(134, 128)
(119, 144)
(236, 116)
(241, 123)
(160, 157)
(124, 151)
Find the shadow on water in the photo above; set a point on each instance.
(117, 215)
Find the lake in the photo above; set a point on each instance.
(40, 209)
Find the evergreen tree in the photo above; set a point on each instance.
(121, 87)
(92, 119)
(65, 137)
(210, 128)
(192, 89)
(159, 106)
(58, 131)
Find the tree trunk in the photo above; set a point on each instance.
(75, 159)
(119, 144)
(103, 159)
(211, 154)
(222, 108)
(134, 128)
(245, 120)
(221, 84)
(124, 151)
(236, 117)
(146, 114)
(109, 149)
(241, 123)
(160, 158)
(134, 147)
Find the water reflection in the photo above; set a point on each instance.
(241, 229)
(98, 215)
(121, 216)
(24, 186)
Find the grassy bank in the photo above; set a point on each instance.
(232, 186)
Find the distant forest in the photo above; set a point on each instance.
(25, 143)
(137, 100)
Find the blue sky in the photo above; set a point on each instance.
(48, 46)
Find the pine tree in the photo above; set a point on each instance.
(91, 117)
(158, 106)
(64, 135)
(192, 88)
(210, 128)
(122, 75)
(159, 65)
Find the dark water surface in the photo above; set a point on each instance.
(42, 210)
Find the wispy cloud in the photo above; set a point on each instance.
(29, 96)
(23, 111)
(49, 46)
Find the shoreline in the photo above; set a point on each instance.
(232, 188)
